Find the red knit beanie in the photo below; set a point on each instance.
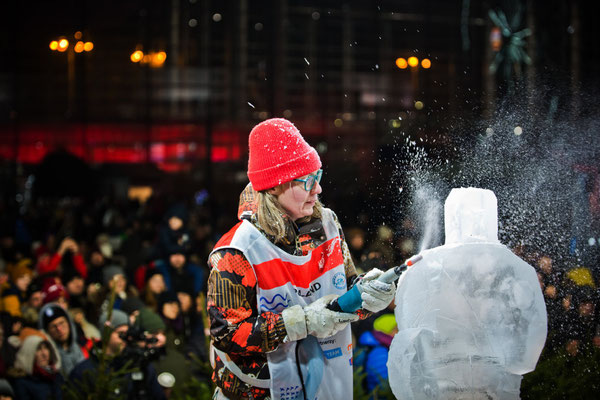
(278, 154)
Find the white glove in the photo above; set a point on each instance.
(376, 295)
(315, 319)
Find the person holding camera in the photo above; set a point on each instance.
(120, 348)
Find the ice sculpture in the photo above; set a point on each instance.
(471, 315)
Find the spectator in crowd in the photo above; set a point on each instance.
(174, 361)
(193, 325)
(179, 273)
(53, 291)
(52, 264)
(373, 350)
(173, 235)
(56, 323)
(83, 374)
(115, 279)
(153, 288)
(100, 256)
(33, 303)
(152, 325)
(16, 294)
(37, 369)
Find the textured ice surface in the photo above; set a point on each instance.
(471, 318)
(471, 214)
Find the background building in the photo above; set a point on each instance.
(166, 92)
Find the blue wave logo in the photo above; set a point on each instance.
(269, 306)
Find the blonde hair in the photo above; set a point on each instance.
(272, 218)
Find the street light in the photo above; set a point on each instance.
(401, 63)
(62, 45)
(154, 59)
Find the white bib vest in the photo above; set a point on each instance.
(284, 280)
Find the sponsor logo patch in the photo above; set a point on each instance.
(339, 280)
(333, 353)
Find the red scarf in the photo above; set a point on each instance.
(46, 374)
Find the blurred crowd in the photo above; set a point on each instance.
(69, 269)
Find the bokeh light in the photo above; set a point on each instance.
(401, 63)
(137, 56)
(63, 45)
(79, 47)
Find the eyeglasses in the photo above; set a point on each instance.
(311, 180)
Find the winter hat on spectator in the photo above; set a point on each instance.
(278, 153)
(51, 313)
(385, 323)
(150, 272)
(117, 319)
(132, 304)
(53, 289)
(167, 297)
(6, 389)
(149, 321)
(109, 272)
(36, 285)
(20, 270)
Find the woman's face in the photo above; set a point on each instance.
(23, 282)
(185, 300)
(156, 284)
(170, 310)
(119, 282)
(42, 355)
(295, 200)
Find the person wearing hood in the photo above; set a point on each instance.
(37, 370)
(56, 323)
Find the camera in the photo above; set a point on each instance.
(139, 347)
(139, 352)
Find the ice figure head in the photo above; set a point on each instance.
(471, 215)
(471, 315)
